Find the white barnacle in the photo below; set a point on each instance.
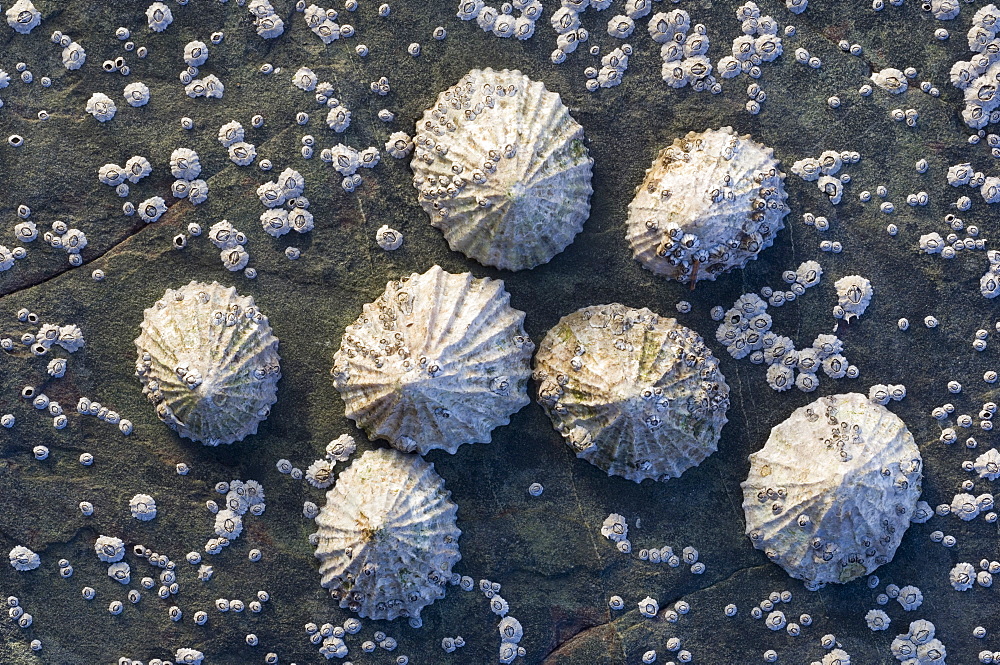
(292, 183)
(109, 549)
(242, 153)
(228, 524)
(344, 159)
(101, 107)
(23, 559)
(136, 168)
(142, 507)
(338, 119)
(197, 191)
(136, 94)
(120, 572)
(195, 53)
(56, 368)
(388, 239)
(320, 474)
(185, 164)
(159, 17)
(369, 157)
(305, 79)
(190, 656)
(73, 56)
(614, 527)
(962, 576)
(931, 243)
(399, 145)
(910, 598)
(891, 80)
(648, 607)
(853, 293)
(152, 209)
(987, 465)
(270, 27)
(230, 133)
(23, 17)
(275, 222)
(271, 194)
(111, 175)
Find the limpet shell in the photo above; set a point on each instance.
(502, 169)
(436, 361)
(209, 362)
(633, 393)
(388, 536)
(710, 202)
(834, 489)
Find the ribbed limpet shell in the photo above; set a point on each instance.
(209, 362)
(502, 169)
(388, 536)
(636, 394)
(436, 361)
(834, 489)
(710, 202)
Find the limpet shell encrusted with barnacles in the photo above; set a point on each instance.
(209, 362)
(710, 202)
(388, 536)
(436, 361)
(834, 489)
(636, 394)
(502, 169)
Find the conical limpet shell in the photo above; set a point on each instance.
(436, 361)
(387, 536)
(502, 169)
(710, 202)
(635, 394)
(834, 489)
(209, 362)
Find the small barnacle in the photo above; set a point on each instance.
(143, 507)
(23, 559)
(159, 17)
(388, 239)
(320, 474)
(101, 107)
(648, 607)
(108, 548)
